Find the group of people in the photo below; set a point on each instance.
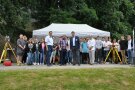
(73, 50)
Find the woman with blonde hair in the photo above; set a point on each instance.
(30, 52)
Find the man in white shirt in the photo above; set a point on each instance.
(130, 49)
(49, 47)
(91, 46)
(98, 50)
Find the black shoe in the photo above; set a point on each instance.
(73, 64)
(49, 65)
(60, 65)
(91, 64)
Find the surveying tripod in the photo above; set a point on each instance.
(7, 47)
(115, 52)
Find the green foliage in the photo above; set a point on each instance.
(13, 18)
(116, 16)
(58, 15)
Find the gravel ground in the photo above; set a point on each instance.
(82, 66)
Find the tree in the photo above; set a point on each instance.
(116, 16)
(13, 18)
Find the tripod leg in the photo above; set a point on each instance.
(5, 48)
(3, 53)
(118, 56)
(108, 55)
(113, 55)
(13, 52)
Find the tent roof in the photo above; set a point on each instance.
(66, 29)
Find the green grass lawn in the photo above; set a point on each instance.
(71, 79)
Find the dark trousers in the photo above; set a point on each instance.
(24, 57)
(69, 56)
(49, 52)
(99, 55)
(81, 58)
(85, 58)
(63, 53)
(76, 56)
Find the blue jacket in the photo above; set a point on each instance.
(77, 42)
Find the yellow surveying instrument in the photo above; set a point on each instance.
(114, 54)
(7, 47)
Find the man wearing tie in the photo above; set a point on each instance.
(75, 48)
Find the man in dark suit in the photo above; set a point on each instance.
(75, 48)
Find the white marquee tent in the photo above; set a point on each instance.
(82, 30)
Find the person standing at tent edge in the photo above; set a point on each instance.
(75, 48)
(49, 47)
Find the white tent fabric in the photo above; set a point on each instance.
(82, 30)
